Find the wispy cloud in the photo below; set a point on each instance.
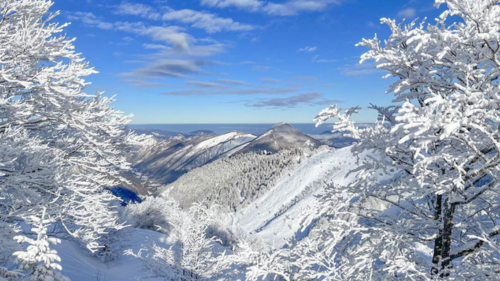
(252, 5)
(261, 68)
(287, 8)
(177, 52)
(205, 84)
(270, 80)
(171, 68)
(137, 9)
(408, 13)
(325, 61)
(253, 91)
(140, 83)
(373, 25)
(169, 34)
(295, 7)
(308, 49)
(232, 82)
(318, 60)
(327, 102)
(290, 102)
(360, 69)
(198, 19)
(90, 19)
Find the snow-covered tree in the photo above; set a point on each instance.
(192, 253)
(234, 182)
(39, 261)
(429, 195)
(59, 146)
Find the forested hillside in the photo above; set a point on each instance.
(236, 181)
(166, 160)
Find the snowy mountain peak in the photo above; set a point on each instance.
(280, 124)
(170, 159)
(281, 136)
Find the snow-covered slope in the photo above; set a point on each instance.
(79, 265)
(233, 182)
(279, 213)
(279, 137)
(169, 159)
(334, 139)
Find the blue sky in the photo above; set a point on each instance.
(234, 61)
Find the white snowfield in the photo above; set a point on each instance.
(278, 214)
(79, 266)
(222, 139)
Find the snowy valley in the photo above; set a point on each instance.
(264, 197)
(85, 194)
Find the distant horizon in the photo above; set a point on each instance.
(222, 128)
(239, 123)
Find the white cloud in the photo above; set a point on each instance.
(128, 39)
(91, 20)
(408, 13)
(155, 46)
(253, 5)
(176, 54)
(289, 102)
(168, 34)
(142, 10)
(318, 60)
(270, 80)
(360, 69)
(203, 20)
(261, 68)
(176, 68)
(373, 25)
(254, 91)
(139, 83)
(308, 49)
(287, 8)
(204, 84)
(232, 82)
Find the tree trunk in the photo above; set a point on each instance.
(442, 245)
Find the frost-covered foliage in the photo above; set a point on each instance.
(7, 243)
(236, 181)
(59, 146)
(437, 214)
(7, 274)
(194, 252)
(153, 213)
(39, 261)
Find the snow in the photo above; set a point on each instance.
(169, 160)
(276, 216)
(279, 137)
(78, 265)
(221, 139)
